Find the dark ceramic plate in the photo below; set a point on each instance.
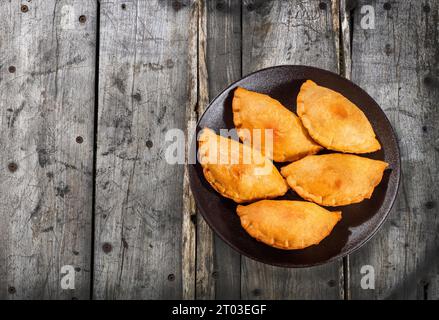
(360, 221)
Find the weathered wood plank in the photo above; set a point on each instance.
(345, 10)
(397, 64)
(219, 266)
(290, 32)
(144, 90)
(205, 282)
(189, 225)
(47, 68)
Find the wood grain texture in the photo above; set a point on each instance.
(290, 32)
(189, 215)
(219, 266)
(205, 282)
(224, 67)
(345, 10)
(47, 68)
(160, 64)
(144, 90)
(397, 64)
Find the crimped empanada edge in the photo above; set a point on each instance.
(332, 202)
(270, 241)
(224, 191)
(372, 145)
(237, 121)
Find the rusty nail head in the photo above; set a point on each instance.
(12, 290)
(24, 8)
(12, 166)
(257, 292)
(79, 139)
(106, 247)
(82, 19)
(12, 69)
(430, 204)
(171, 277)
(250, 7)
(332, 283)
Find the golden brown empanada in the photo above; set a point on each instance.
(334, 179)
(287, 224)
(334, 121)
(290, 141)
(237, 171)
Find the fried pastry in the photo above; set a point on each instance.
(287, 224)
(289, 141)
(333, 121)
(334, 179)
(237, 171)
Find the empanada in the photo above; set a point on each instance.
(333, 121)
(289, 139)
(287, 224)
(237, 171)
(334, 179)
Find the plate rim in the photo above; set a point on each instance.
(191, 170)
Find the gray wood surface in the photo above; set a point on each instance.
(189, 213)
(345, 22)
(218, 266)
(144, 90)
(205, 282)
(47, 69)
(158, 64)
(290, 32)
(397, 64)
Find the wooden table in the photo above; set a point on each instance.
(88, 91)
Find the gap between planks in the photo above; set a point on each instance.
(95, 138)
